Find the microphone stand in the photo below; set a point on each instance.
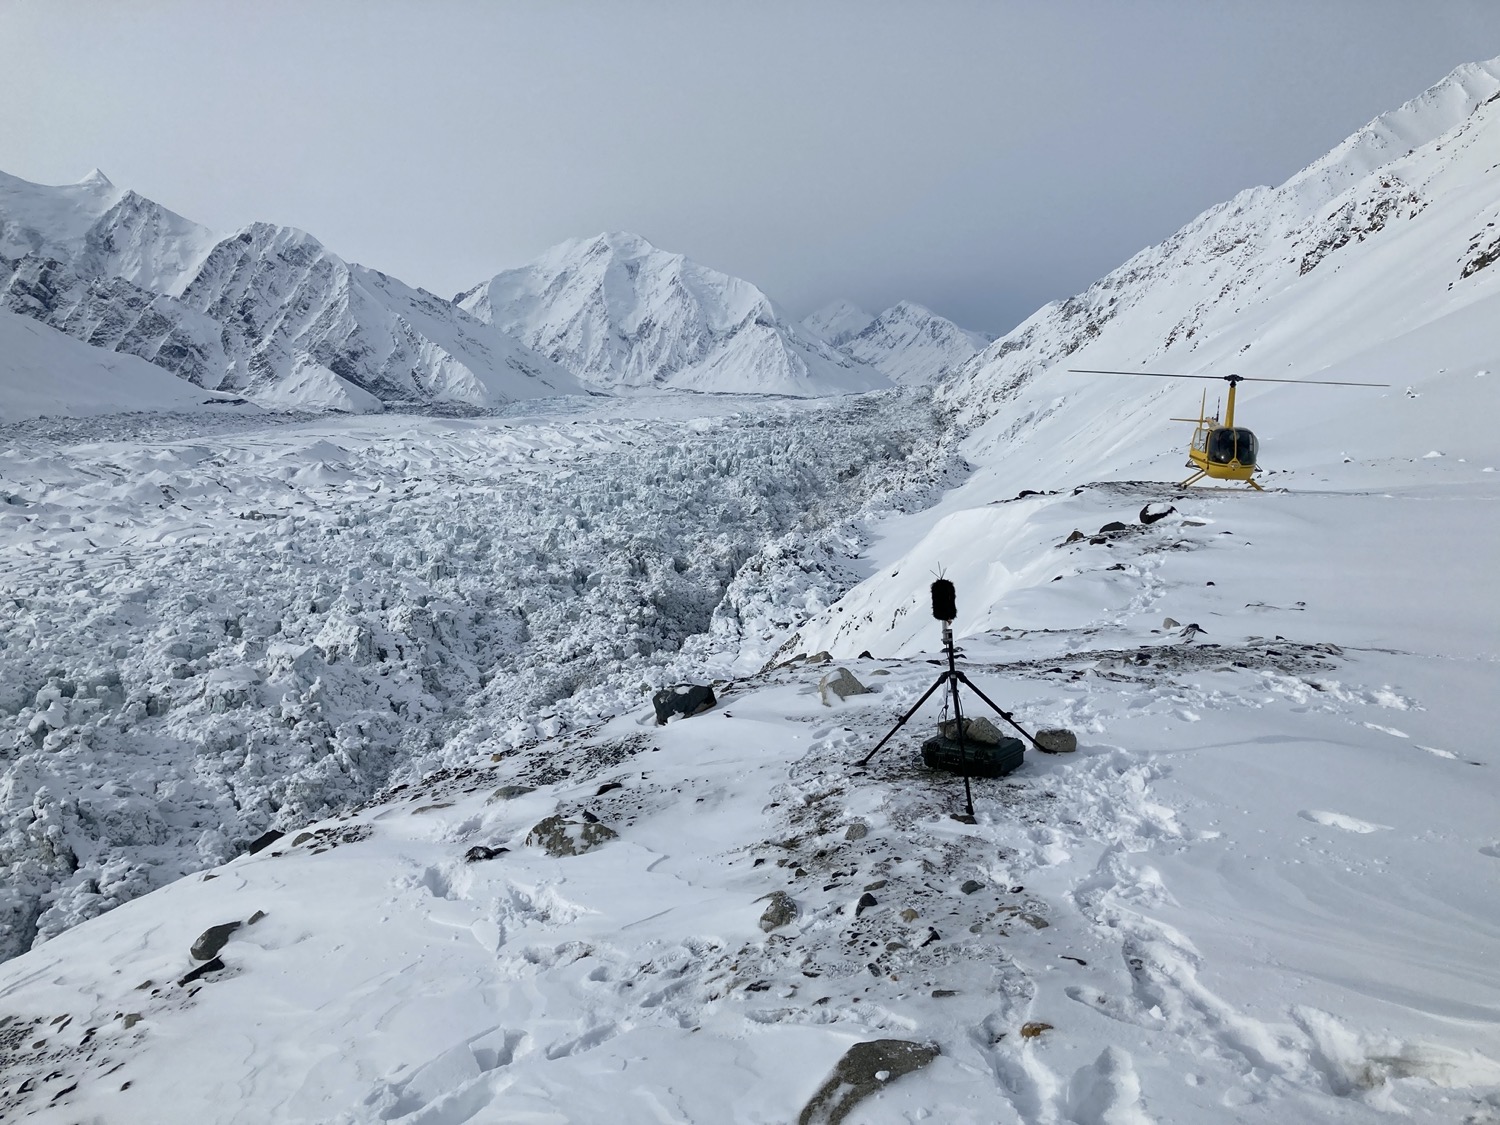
(954, 676)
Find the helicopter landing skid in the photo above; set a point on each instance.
(1201, 473)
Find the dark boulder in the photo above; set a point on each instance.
(684, 699)
(264, 841)
(211, 940)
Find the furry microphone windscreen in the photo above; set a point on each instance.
(944, 600)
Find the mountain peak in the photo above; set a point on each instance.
(96, 179)
(839, 321)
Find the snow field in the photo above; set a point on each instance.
(1234, 903)
(203, 638)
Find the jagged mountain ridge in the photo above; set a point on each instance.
(1387, 234)
(268, 312)
(839, 321)
(621, 313)
(914, 345)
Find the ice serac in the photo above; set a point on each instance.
(838, 322)
(913, 345)
(621, 314)
(1391, 233)
(268, 312)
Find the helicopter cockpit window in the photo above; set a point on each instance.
(1246, 446)
(1226, 445)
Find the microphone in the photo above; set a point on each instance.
(944, 600)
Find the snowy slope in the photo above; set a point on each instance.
(912, 345)
(43, 372)
(1257, 893)
(268, 312)
(620, 313)
(102, 230)
(1384, 238)
(838, 322)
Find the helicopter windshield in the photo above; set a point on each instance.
(1226, 445)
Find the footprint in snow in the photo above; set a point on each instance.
(1340, 820)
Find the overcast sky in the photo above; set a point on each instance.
(981, 158)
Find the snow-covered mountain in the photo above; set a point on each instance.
(267, 312)
(1253, 895)
(620, 313)
(839, 321)
(913, 345)
(1348, 270)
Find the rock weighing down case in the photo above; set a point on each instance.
(976, 759)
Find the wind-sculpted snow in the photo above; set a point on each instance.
(216, 632)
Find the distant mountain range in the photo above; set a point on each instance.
(270, 314)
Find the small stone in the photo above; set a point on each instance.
(939, 993)
(909, 915)
(607, 787)
(1057, 741)
(211, 940)
(866, 901)
(781, 911)
(131, 1019)
(1075, 537)
(857, 831)
(1032, 1030)
(839, 684)
(1171, 623)
(971, 885)
(820, 658)
(865, 655)
(1113, 526)
(254, 918)
(301, 838)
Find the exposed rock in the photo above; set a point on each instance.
(264, 841)
(1153, 512)
(684, 699)
(1057, 741)
(1074, 537)
(866, 901)
(1171, 623)
(560, 837)
(211, 940)
(254, 918)
(780, 911)
(977, 729)
(1032, 1030)
(971, 885)
(202, 970)
(1113, 526)
(857, 831)
(865, 1069)
(481, 852)
(820, 658)
(509, 792)
(841, 683)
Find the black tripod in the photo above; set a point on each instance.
(952, 677)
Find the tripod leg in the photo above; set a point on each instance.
(901, 722)
(1006, 715)
(963, 747)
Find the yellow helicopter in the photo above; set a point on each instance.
(1222, 450)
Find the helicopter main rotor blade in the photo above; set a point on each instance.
(1222, 378)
